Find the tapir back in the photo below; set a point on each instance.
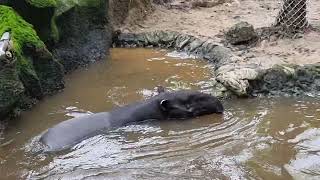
(72, 131)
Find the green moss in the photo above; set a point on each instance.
(43, 3)
(65, 5)
(54, 30)
(22, 33)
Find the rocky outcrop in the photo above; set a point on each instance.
(77, 32)
(84, 32)
(11, 88)
(32, 71)
(232, 76)
(38, 13)
(63, 33)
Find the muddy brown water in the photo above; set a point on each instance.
(261, 138)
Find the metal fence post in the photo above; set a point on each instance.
(293, 15)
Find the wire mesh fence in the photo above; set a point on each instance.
(293, 15)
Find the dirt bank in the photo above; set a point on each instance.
(212, 22)
(129, 12)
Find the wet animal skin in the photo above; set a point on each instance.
(165, 106)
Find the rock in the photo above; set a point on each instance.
(236, 78)
(196, 43)
(306, 163)
(84, 32)
(152, 38)
(205, 48)
(131, 39)
(227, 81)
(219, 90)
(39, 13)
(288, 80)
(11, 90)
(220, 55)
(170, 39)
(161, 1)
(232, 75)
(77, 32)
(182, 41)
(32, 71)
(241, 33)
(276, 77)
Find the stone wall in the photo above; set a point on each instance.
(232, 77)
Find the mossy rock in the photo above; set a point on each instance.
(65, 5)
(39, 13)
(76, 31)
(35, 67)
(11, 90)
(21, 32)
(42, 3)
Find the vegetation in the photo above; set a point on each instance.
(65, 5)
(43, 3)
(22, 33)
(35, 66)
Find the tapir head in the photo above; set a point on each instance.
(188, 104)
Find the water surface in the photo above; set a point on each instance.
(262, 138)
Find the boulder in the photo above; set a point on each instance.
(236, 77)
(11, 89)
(83, 30)
(289, 80)
(32, 71)
(241, 33)
(77, 32)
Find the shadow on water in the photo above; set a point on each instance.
(263, 138)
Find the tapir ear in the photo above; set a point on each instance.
(164, 104)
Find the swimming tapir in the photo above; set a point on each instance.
(181, 104)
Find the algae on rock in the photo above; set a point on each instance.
(77, 32)
(33, 72)
(42, 3)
